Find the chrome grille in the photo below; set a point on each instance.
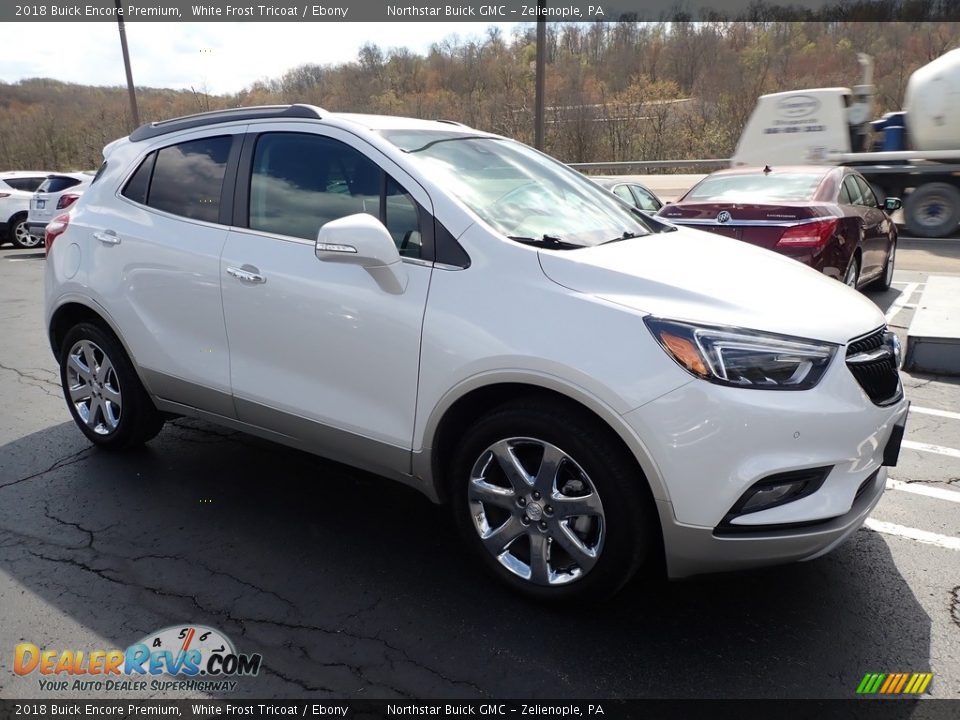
(873, 361)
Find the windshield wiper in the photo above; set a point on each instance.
(627, 235)
(546, 241)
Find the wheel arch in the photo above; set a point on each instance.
(73, 310)
(472, 398)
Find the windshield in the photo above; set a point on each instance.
(788, 187)
(523, 194)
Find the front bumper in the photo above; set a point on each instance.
(710, 444)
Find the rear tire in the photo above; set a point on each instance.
(20, 235)
(583, 524)
(932, 210)
(102, 390)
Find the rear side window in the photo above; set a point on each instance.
(26, 184)
(57, 183)
(188, 178)
(869, 199)
(138, 184)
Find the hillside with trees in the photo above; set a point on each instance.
(614, 91)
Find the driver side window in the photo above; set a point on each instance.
(302, 181)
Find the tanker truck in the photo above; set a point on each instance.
(913, 154)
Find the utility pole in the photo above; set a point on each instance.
(538, 120)
(134, 111)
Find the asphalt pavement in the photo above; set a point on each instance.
(353, 586)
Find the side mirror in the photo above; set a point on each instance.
(362, 240)
(892, 204)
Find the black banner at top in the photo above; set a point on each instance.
(472, 11)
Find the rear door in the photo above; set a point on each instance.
(156, 265)
(871, 219)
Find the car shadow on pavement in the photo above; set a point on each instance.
(350, 585)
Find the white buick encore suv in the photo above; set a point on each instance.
(457, 311)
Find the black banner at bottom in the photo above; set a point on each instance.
(874, 709)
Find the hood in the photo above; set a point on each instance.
(701, 277)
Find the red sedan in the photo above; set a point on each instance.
(826, 217)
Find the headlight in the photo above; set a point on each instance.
(743, 358)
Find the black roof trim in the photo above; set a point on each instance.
(453, 122)
(255, 112)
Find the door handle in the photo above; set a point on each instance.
(107, 237)
(247, 273)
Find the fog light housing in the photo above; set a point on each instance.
(775, 490)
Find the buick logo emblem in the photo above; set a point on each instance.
(723, 217)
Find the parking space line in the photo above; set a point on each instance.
(935, 411)
(927, 447)
(902, 299)
(921, 536)
(926, 490)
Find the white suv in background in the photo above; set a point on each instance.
(16, 189)
(56, 193)
(461, 313)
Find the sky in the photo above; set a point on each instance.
(210, 57)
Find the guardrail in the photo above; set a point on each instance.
(653, 165)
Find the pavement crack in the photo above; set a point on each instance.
(221, 573)
(296, 681)
(25, 378)
(76, 457)
(89, 532)
(372, 638)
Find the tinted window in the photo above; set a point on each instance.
(57, 183)
(645, 200)
(100, 172)
(402, 219)
(301, 182)
(853, 190)
(866, 192)
(188, 178)
(623, 192)
(138, 184)
(761, 187)
(27, 184)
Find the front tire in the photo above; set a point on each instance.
(886, 280)
(550, 503)
(851, 278)
(103, 392)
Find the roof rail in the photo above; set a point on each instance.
(255, 112)
(453, 122)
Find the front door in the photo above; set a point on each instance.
(319, 351)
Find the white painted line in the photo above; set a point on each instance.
(926, 490)
(921, 536)
(935, 411)
(927, 447)
(902, 299)
(904, 282)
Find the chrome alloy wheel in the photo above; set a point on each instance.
(536, 511)
(93, 387)
(23, 237)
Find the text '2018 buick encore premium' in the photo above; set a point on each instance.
(461, 313)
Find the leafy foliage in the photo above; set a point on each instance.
(614, 91)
